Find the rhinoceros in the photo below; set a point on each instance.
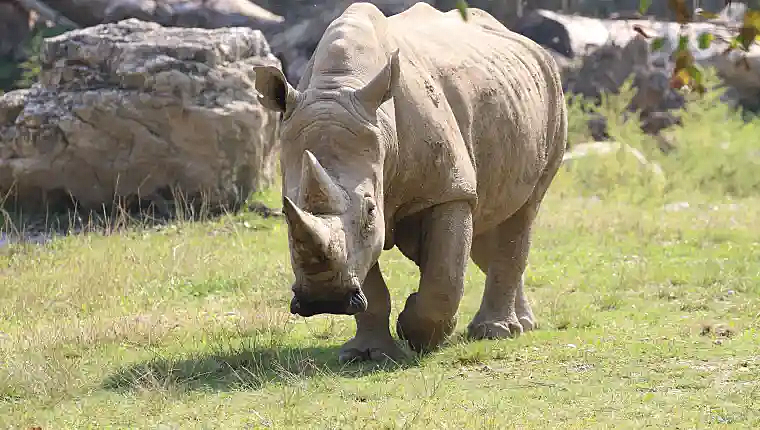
(437, 135)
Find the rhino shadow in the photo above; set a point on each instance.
(241, 369)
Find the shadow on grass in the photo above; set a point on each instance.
(242, 368)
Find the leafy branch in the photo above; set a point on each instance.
(686, 72)
(462, 7)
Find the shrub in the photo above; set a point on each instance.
(717, 152)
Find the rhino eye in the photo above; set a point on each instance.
(370, 207)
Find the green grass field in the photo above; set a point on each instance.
(649, 316)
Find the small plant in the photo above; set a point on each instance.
(26, 73)
(716, 152)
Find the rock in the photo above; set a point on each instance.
(177, 13)
(732, 13)
(218, 14)
(568, 35)
(130, 111)
(655, 122)
(145, 10)
(588, 149)
(597, 127)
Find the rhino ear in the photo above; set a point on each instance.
(378, 90)
(276, 93)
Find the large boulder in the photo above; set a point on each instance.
(133, 111)
(568, 35)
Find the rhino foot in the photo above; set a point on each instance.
(508, 328)
(371, 348)
(421, 332)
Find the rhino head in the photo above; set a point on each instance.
(334, 212)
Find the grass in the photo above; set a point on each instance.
(649, 313)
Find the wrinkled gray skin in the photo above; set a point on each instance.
(424, 132)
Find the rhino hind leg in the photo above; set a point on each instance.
(502, 254)
(443, 237)
(373, 339)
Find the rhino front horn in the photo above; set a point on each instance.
(319, 193)
(305, 228)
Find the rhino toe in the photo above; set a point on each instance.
(496, 329)
(528, 323)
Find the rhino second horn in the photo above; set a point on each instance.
(319, 193)
(309, 231)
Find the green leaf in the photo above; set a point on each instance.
(742, 40)
(658, 43)
(462, 7)
(752, 19)
(704, 40)
(683, 42)
(695, 74)
(644, 6)
(697, 80)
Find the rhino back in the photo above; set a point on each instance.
(480, 112)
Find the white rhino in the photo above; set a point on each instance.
(423, 131)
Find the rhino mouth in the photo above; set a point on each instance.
(351, 304)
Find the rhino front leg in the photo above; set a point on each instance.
(430, 315)
(373, 339)
(503, 254)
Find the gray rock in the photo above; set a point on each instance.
(589, 149)
(131, 111)
(181, 13)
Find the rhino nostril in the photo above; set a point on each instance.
(295, 306)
